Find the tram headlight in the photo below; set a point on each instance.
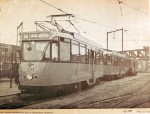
(29, 77)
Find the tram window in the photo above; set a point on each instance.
(109, 59)
(101, 57)
(115, 61)
(34, 50)
(54, 51)
(112, 60)
(97, 57)
(87, 55)
(129, 62)
(75, 51)
(64, 50)
(91, 55)
(122, 62)
(105, 59)
(47, 53)
(119, 61)
(82, 53)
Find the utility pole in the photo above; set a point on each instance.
(114, 32)
(20, 25)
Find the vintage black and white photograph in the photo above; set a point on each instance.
(74, 54)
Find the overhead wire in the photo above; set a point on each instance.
(95, 22)
(76, 16)
(120, 2)
(134, 40)
(53, 6)
(127, 5)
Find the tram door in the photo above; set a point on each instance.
(91, 62)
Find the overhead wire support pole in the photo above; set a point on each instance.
(114, 32)
(20, 25)
(122, 39)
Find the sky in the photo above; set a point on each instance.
(132, 16)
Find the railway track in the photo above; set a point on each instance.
(22, 100)
(117, 100)
(18, 101)
(132, 94)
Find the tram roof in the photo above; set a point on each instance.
(87, 41)
(51, 34)
(111, 52)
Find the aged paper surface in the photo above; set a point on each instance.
(94, 19)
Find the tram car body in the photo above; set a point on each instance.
(10, 58)
(117, 65)
(55, 60)
(58, 59)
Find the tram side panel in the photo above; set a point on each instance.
(52, 74)
(117, 66)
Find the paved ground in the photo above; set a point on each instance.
(5, 87)
(129, 92)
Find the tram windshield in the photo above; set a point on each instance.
(34, 50)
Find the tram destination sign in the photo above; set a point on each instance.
(35, 35)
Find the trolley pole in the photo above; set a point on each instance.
(114, 32)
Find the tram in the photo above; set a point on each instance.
(54, 60)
